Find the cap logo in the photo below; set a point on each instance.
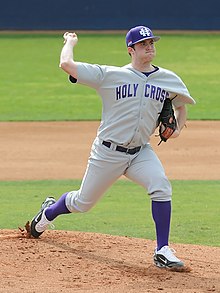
(145, 32)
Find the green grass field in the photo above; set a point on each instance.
(124, 210)
(34, 88)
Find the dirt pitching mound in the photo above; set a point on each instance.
(89, 262)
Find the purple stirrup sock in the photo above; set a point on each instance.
(161, 212)
(57, 209)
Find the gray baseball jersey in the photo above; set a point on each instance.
(131, 100)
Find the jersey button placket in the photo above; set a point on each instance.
(142, 110)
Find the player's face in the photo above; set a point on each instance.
(145, 50)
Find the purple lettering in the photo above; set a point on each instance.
(152, 94)
(118, 92)
(135, 89)
(146, 90)
(162, 96)
(129, 91)
(158, 92)
(124, 91)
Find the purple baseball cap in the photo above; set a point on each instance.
(138, 34)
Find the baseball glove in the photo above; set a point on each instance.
(166, 121)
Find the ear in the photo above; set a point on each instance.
(130, 50)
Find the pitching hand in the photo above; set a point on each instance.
(70, 37)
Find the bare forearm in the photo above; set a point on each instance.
(66, 53)
(181, 115)
(66, 57)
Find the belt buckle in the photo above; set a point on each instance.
(127, 151)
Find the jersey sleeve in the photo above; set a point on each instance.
(181, 99)
(91, 75)
(176, 87)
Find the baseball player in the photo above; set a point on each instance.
(132, 98)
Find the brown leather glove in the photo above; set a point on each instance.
(166, 121)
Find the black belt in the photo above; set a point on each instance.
(122, 149)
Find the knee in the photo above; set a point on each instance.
(77, 205)
(160, 196)
(161, 191)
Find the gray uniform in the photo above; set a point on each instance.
(131, 103)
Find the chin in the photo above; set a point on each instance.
(149, 59)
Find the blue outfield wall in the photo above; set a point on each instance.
(109, 15)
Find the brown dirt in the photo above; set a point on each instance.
(62, 261)
(59, 150)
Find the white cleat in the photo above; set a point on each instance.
(40, 223)
(165, 258)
